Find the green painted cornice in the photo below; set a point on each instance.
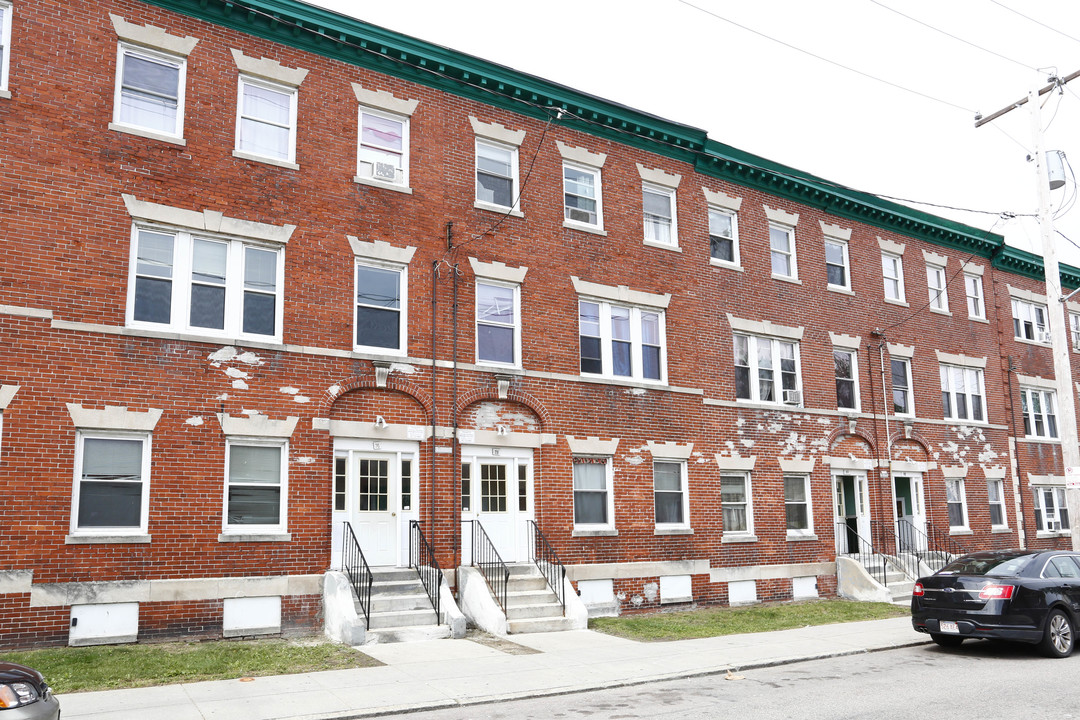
(1028, 264)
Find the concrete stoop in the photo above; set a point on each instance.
(400, 609)
(532, 606)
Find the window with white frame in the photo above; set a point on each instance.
(671, 499)
(112, 483)
(973, 287)
(736, 509)
(496, 174)
(901, 386)
(892, 271)
(797, 506)
(937, 288)
(837, 269)
(5, 44)
(381, 305)
(1029, 321)
(782, 251)
(658, 204)
(1074, 330)
(1051, 509)
(593, 501)
(767, 370)
(995, 493)
(256, 485)
(498, 323)
(215, 286)
(383, 147)
(962, 393)
(581, 195)
(1040, 418)
(621, 341)
(150, 90)
(956, 500)
(847, 379)
(266, 119)
(723, 235)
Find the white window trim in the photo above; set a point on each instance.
(938, 298)
(598, 226)
(1074, 330)
(282, 526)
(1029, 414)
(748, 533)
(403, 306)
(516, 287)
(755, 389)
(945, 373)
(843, 245)
(1000, 483)
(902, 299)
(293, 94)
(684, 484)
(1061, 498)
(736, 262)
(854, 378)
(608, 528)
(406, 140)
(910, 380)
(514, 209)
(144, 508)
(808, 531)
(8, 12)
(962, 490)
(1022, 307)
(177, 135)
(976, 280)
(672, 194)
(637, 364)
(792, 255)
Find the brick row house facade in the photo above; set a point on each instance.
(268, 270)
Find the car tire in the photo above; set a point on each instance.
(1058, 637)
(947, 641)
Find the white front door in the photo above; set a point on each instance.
(375, 490)
(499, 496)
(851, 494)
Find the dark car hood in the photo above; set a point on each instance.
(12, 673)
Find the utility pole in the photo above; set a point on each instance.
(1055, 302)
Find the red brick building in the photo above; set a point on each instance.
(268, 269)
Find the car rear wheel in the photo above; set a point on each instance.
(1058, 638)
(947, 641)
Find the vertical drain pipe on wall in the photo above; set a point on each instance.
(1014, 461)
(455, 470)
(885, 414)
(434, 401)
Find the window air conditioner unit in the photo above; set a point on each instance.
(1043, 336)
(1053, 526)
(385, 171)
(793, 397)
(578, 216)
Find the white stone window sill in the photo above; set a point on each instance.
(673, 531)
(1040, 440)
(1036, 343)
(725, 264)
(594, 229)
(972, 318)
(768, 405)
(960, 531)
(148, 134)
(255, 537)
(840, 290)
(501, 209)
(939, 311)
(740, 538)
(5, 94)
(607, 532)
(1043, 535)
(1000, 530)
(674, 246)
(166, 334)
(798, 537)
(372, 182)
(787, 279)
(140, 539)
(263, 159)
(901, 303)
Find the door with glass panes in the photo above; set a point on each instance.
(376, 492)
(496, 490)
(852, 502)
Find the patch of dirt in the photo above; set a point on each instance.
(498, 643)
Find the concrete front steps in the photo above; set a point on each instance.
(532, 606)
(400, 609)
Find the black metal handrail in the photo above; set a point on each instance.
(487, 558)
(549, 564)
(888, 540)
(357, 570)
(874, 562)
(422, 557)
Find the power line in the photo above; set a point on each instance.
(827, 60)
(950, 35)
(1031, 19)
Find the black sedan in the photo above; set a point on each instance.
(24, 695)
(1030, 596)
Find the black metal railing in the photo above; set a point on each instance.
(548, 562)
(487, 558)
(422, 557)
(357, 570)
(888, 540)
(862, 551)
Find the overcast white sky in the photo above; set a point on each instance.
(695, 65)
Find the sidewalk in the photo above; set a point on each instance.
(448, 673)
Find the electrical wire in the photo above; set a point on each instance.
(1031, 19)
(950, 35)
(827, 60)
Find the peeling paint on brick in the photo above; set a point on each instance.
(194, 421)
(290, 390)
(403, 368)
(236, 373)
(305, 460)
(302, 399)
(239, 385)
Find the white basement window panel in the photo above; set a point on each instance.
(803, 588)
(742, 592)
(251, 616)
(104, 624)
(676, 589)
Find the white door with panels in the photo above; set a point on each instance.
(496, 489)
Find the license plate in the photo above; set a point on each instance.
(947, 626)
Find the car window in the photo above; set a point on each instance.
(1007, 565)
(1062, 566)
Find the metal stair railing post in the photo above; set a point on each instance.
(942, 543)
(492, 567)
(422, 557)
(357, 570)
(549, 564)
(887, 539)
(873, 562)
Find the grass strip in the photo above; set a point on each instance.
(715, 621)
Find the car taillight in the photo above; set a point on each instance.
(996, 592)
(917, 590)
